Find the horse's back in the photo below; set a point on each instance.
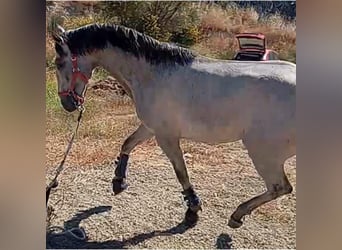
(257, 97)
(282, 70)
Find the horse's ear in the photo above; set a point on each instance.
(58, 34)
(60, 29)
(58, 39)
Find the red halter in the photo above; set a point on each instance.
(76, 73)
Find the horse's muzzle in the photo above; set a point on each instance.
(69, 103)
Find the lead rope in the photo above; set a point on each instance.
(54, 183)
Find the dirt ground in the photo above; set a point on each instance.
(149, 213)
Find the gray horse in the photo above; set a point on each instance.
(179, 94)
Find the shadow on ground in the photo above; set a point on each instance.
(224, 241)
(65, 241)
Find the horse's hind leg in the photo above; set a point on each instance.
(271, 169)
(170, 146)
(137, 137)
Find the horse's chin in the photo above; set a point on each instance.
(68, 103)
(70, 109)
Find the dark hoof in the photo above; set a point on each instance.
(196, 206)
(119, 185)
(191, 218)
(232, 223)
(55, 184)
(192, 200)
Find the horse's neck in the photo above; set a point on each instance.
(126, 68)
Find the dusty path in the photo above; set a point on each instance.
(154, 203)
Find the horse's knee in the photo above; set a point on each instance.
(137, 137)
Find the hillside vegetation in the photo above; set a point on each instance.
(208, 28)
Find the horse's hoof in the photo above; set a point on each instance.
(193, 202)
(196, 207)
(191, 218)
(233, 223)
(119, 185)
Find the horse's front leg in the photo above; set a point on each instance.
(137, 137)
(170, 146)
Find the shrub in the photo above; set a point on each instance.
(208, 28)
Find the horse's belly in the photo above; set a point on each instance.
(211, 134)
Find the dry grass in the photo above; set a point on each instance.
(220, 27)
(227, 20)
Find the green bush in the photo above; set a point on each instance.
(188, 24)
(165, 21)
(187, 36)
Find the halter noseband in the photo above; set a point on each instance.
(76, 73)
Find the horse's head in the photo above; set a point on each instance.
(73, 72)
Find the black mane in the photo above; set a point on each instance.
(85, 39)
